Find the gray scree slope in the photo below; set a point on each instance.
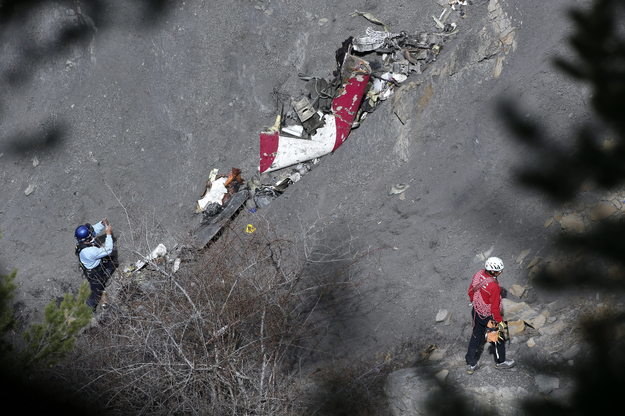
(151, 112)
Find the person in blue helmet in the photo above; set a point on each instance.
(95, 259)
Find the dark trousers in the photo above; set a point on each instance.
(97, 278)
(478, 339)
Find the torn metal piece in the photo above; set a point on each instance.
(450, 28)
(439, 24)
(398, 188)
(295, 131)
(303, 108)
(278, 151)
(373, 40)
(370, 18)
(209, 231)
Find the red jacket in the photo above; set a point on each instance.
(488, 303)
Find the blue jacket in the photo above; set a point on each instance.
(90, 256)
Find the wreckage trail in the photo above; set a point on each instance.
(278, 151)
(208, 232)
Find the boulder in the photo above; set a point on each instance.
(602, 210)
(538, 321)
(546, 384)
(553, 329)
(441, 376)
(437, 355)
(572, 352)
(572, 223)
(513, 309)
(442, 315)
(516, 327)
(517, 290)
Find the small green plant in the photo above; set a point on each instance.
(6, 312)
(49, 341)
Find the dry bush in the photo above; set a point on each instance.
(217, 337)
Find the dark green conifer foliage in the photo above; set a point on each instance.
(47, 342)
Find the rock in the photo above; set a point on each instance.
(35, 162)
(441, 376)
(442, 315)
(513, 308)
(531, 342)
(522, 256)
(517, 290)
(546, 384)
(538, 321)
(407, 392)
(553, 329)
(516, 327)
(602, 210)
(572, 352)
(437, 355)
(480, 257)
(29, 190)
(572, 223)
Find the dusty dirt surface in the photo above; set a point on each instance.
(147, 112)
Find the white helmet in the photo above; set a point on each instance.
(494, 264)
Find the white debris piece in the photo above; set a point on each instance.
(296, 130)
(215, 194)
(372, 40)
(394, 76)
(176, 265)
(159, 251)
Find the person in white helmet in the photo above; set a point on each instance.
(485, 296)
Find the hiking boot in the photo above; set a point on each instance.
(504, 365)
(471, 368)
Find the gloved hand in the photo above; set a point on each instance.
(492, 336)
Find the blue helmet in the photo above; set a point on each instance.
(83, 232)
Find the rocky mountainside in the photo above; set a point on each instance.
(404, 212)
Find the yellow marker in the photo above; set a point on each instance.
(250, 229)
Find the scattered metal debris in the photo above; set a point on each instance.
(398, 189)
(369, 69)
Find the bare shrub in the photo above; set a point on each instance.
(214, 338)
